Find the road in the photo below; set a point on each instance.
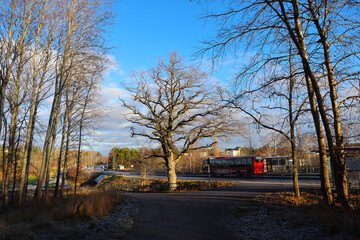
(199, 215)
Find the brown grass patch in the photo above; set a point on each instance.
(289, 199)
(156, 185)
(310, 208)
(62, 218)
(94, 204)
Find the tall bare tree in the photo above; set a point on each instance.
(15, 82)
(281, 111)
(41, 76)
(84, 24)
(174, 106)
(318, 30)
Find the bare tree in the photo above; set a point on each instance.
(266, 25)
(174, 106)
(81, 37)
(16, 82)
(89, 88)
(40, 80)
(7, 47)
(281, 111)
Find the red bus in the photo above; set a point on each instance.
(239, 166)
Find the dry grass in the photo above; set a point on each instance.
(289, 199)
(87, 215)
(82, 176)
(310, 209)
(94, 204)
(41, 215)
(156, 185)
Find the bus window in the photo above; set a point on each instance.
(215, 162)
(236, 161)
(249, 161)
(224, 162)
(259, 159)
(232, 162)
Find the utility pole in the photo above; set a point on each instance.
(250, 140)
(113, 153)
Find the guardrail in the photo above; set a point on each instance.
(99, 178)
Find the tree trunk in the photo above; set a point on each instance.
(5, 76)
(47, 142)
(313, 91)
(4, 167)
(295, 169)
(59, 163)
(12, 130)
(15, 167)
(338, 155)
(26, 163)
(292, 122)
(82, 116)
(324, 172)
(66, 156)
(52, 147)
(28, 147)
(171, 173)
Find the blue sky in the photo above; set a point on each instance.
(143, 32)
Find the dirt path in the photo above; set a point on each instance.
(201, 215)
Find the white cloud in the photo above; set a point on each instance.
(114, 66)
(113, 130)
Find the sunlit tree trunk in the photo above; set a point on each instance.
(171, 172)
(58, 175)
(5, 72)
(88, 89)
(39, 62)
(313, 91)
(292, 122)
(337, 154)
(51, 130)
(5, 78)
(67, 145)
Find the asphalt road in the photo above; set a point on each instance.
(199, 215)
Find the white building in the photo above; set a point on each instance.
(233, 151)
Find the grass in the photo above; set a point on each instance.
(32, 181)
(35, 218)
(70, 217)
(89, 204)
(310, 209)
(156, 185)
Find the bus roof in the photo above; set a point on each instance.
(231, 157)
(279, 157)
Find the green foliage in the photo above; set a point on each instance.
(124, 156)
(36, 150)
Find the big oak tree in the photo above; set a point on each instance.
(176, 106)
